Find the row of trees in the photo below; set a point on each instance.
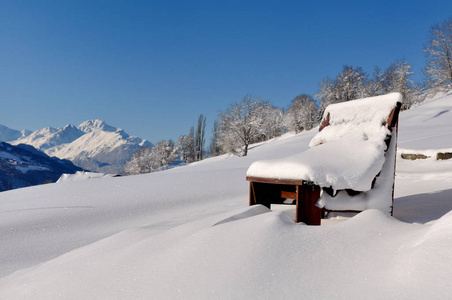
(147, 160)
(253, 120)
(353, 83)
(189, 148)
(243, 123)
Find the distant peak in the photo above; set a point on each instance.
(69, 126)
(95, 125)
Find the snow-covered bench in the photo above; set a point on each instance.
(349, 167)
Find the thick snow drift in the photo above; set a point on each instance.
(188, 233)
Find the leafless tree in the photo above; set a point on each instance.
(438, 52)
(301, 113)
(200, 138)
(215, 148)
(244, 123)
(186, 146)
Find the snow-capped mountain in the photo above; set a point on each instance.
(96, 125)
(23, 165)
(50, 137)
(8, 134)
(93, 145)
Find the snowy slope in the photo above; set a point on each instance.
(187, 233)
(93, 145)
(428, 126)
(23, 165)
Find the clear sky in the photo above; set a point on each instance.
(151, 67)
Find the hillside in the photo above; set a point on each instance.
(93, 145)
(23, 165)
(188, 233)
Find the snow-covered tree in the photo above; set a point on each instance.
(350, 84)
(301, 114)
(439, 56)
(376, 86)
(186, 147)
(163, 153)
(397, 78)
(140, 162)
(147, 160)
(326, 95)
(271, 120)
(244, 123)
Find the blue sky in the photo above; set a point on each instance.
(151, 67)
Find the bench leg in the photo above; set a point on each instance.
(306, 210)
(259, 194)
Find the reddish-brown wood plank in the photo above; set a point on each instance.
(275, 181)
(289, 195)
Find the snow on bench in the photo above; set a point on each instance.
(353, 147)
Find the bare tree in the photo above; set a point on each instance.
(240, 125)
(375, 86)
(215, 148)
(397, 78)
(162, 154)
(271, 120)
(350, 84)
(186, 147)
(200, 138)
(439, 56)
(147, 160)
(301, 113)
(139, 163)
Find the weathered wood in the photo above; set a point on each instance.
(413, 156)
(275, 180)
(341, 211)
(395, 156)
(445, 155)
(289, 195)
(252, 197)
(307, 211)
(325, 122)
(299, 206)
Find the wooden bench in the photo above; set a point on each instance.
(350, 166)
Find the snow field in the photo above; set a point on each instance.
(187, 233)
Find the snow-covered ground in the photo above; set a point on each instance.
(188, 233)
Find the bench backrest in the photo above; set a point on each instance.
(375, 119)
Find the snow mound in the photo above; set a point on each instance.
(82, 175)
(383, 257)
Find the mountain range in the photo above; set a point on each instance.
(93, 145)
